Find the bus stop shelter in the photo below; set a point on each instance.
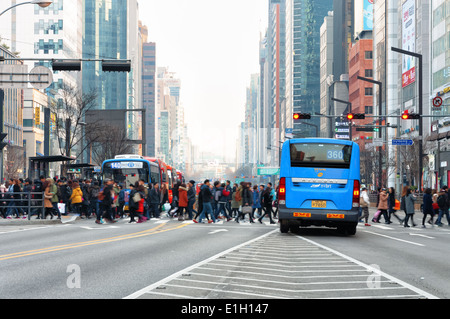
(39, 166)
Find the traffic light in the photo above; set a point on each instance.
(116, 66)
(356, 116)
(410, 116)
(66, 65)
(3, 144)
(302, 116)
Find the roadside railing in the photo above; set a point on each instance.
(33, 205)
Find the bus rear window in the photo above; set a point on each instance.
(321, 155)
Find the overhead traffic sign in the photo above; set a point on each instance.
(13, 76)
(41, 77)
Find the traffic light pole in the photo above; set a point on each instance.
(350, 111)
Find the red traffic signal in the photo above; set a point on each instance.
(356, 116)
(410, 116)
(405, 115)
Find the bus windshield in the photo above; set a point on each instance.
(320, 155)
(126, 174)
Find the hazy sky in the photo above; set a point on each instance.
(213, 46)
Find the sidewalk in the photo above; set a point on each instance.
(19, 221)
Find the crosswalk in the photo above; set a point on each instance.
(280, 266)
(396, 227)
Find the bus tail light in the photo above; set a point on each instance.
(282, 191)
(356, 190)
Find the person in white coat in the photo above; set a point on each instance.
(364, 203)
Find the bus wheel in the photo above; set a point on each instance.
(347, 230)
(351, 229)
(284, 226)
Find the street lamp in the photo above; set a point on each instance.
(419, 57)
(41, 3)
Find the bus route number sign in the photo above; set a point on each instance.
(124, 165)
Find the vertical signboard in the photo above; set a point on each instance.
(408, 42)
(37, 116)
(368, 15)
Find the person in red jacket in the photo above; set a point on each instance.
(140, 210)
(182, 201)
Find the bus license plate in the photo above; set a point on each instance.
(319, 204)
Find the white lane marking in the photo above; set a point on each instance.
(217, 231)
(190, 268)
(394, 238)
(382, 227)
(374, 270)
(424, 236)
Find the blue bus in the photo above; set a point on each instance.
(128, 169)
(319, 184)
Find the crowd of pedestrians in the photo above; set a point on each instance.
(435, 203)
(191, 201)
(50, 198)
(235, 202)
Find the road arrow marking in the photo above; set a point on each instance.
(217, 231)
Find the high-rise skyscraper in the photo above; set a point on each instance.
(111, 32)
(149, 95)
(276, 55)
(170, 115)
(53, 32)
(303, 21)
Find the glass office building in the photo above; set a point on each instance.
(105, 36)
(303, 21)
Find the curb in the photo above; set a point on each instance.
(24, 222)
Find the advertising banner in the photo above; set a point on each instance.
(368, 15)
(408, 42)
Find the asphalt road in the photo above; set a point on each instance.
(171, 259)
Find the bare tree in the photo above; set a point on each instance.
(409, 156)
(70, 113)
(107, 141)
(15, 162)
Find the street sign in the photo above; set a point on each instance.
(269, 171)
(437, 101)
(402, 142)
(41, 77)
(13, 76)
(378, 142)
